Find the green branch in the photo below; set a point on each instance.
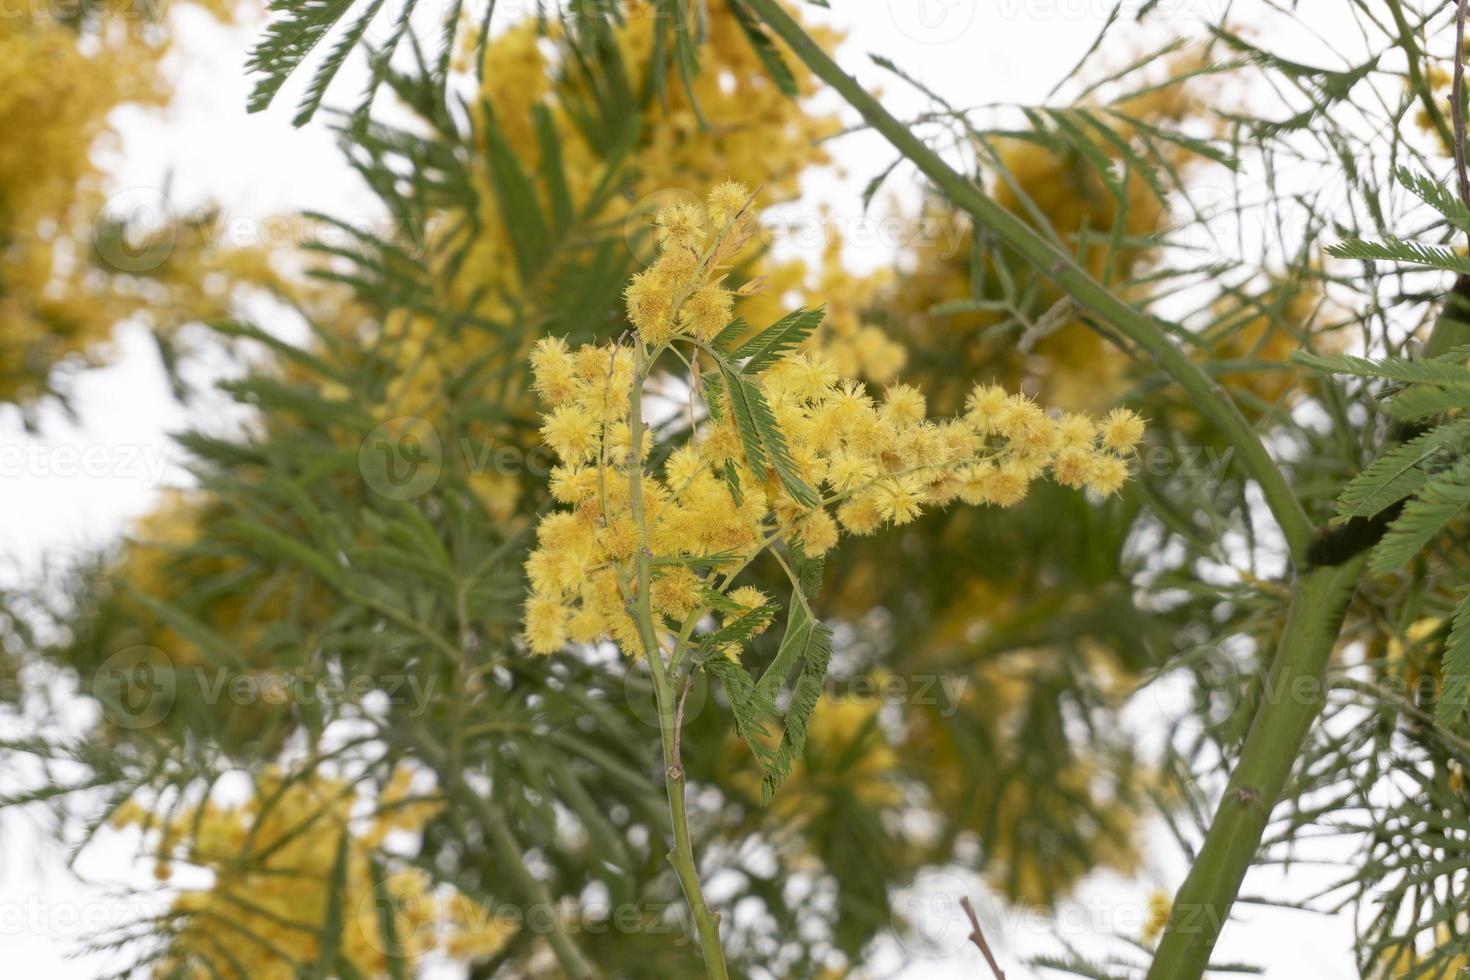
(1063, 269)
(508, 849)
(1319, 603)
(1293, 696)
(670, 701)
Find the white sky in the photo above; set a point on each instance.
(76, 486)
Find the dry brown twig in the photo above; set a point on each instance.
(977, 936)
(1457, 105)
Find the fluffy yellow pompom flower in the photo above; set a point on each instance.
(679, 226)
(1122, 430)
(727, 202)
(985, 404)
(571, 430)
(546, 624)
(707, 311)
(553, 373)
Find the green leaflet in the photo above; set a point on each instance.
(1436, 195)
(768, 346)
(807, 642)
(1422, 401)
(1423, 517)
(761, 436)
(516, 195)
(218, 649)
(1402, 471)
(729, 335)
(736, 394)
(746, 703)
(765, 49)
(288, 41)
(1448, 370)
(746, 624)
(327, 963)
(387, 920)
(1397, 250)
(1431, 472)
(753, 703)
(1455, 692)
(816, 656)
(562, 211)
(799, 627)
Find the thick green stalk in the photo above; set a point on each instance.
(508, 849)
(1293, 696)
(681, 855)
(1319, 601)
(1063, 269)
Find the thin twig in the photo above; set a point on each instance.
(1457, 106)
(977, 936)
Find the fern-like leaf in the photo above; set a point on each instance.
(1437, 196)
(1456, 674)
(1397, 250)
(1424, 516)
(768, 346)
(290, 38)
(816, 656)
(1402, 471)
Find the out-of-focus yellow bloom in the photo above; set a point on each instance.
(66, 276)
(274, 860)
(1159, 907)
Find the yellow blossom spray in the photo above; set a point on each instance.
(781, 457)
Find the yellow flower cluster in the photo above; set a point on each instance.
(274, 860)
(839, 459)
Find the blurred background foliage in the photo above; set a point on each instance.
(367, 523)
(71, 266)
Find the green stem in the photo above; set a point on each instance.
(681, 855)
(1063, 269)
(1293, 696)
(508, 849)
(1416, 73)
(1319, 602)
